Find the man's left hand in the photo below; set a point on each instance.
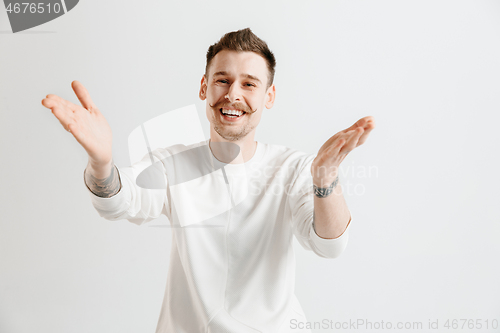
(324, 168)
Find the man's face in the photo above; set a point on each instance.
(237, 81)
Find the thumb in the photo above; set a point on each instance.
(83, 95)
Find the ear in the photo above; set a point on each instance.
(270, 96)
(203, 88)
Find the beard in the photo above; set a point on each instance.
(228, 131)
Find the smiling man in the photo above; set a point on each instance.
(232, 264)
(238, 84)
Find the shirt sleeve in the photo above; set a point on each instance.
(301, 204)
(132, 202)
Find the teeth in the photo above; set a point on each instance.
(232, 112)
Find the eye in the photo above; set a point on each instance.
(249, 84)
(222, 81)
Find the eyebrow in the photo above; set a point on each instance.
(249, 76)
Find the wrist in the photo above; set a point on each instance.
(324, 189)
(100, 170)
(323, 176)
(325, 181)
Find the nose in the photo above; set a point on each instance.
(234, 93)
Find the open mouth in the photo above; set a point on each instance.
(231, 114)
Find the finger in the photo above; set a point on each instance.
(64, 108)
(368, 128)
(352, 140)
(367, 122)
(63, 116)
(61, 101)
(360, 123)
(49, 103)
(67, 103)
(363, 137)
(51, 100)
(335, 147)
(83, 96)
(337, 136)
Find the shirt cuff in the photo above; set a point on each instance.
(330, 247)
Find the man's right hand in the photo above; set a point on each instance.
(86, 123)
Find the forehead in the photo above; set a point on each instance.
(239, 63)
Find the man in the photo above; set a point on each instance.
(234, 271)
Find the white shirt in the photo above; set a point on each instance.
(232, 264)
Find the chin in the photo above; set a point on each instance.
(231, 136)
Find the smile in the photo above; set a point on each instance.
(231, 114)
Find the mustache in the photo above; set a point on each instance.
(239, 106)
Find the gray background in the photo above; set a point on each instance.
(424, 239)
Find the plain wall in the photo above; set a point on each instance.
(423, 189)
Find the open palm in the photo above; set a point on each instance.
(86, 123)
(325, 165)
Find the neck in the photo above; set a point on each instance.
(233, 152)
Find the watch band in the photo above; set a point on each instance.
(322, 192)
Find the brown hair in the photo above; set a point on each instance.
(243, 40)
